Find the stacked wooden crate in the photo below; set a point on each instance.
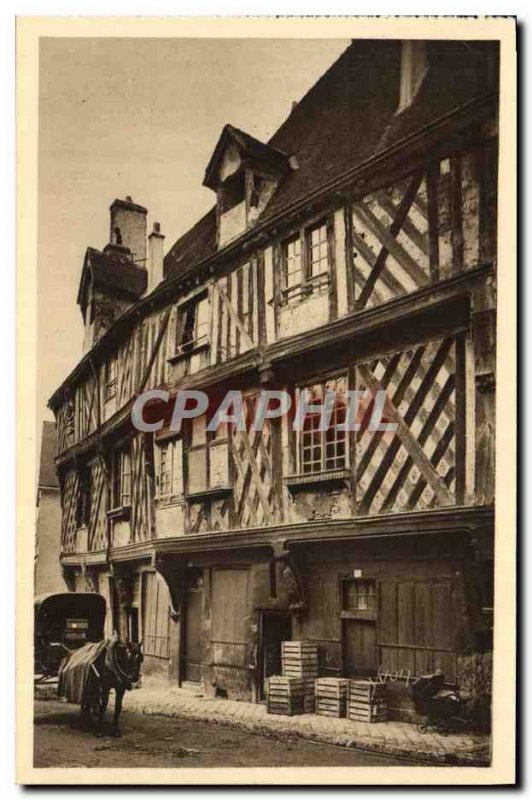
(300, 660)
(331, 697)
(285, 695)
(367, 701)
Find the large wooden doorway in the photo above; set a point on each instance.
(275, 627)
(192, 638)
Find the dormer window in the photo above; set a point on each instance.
(244, 172)
(232, 192)
(256, 184)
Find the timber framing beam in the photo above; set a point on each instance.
(471, 520)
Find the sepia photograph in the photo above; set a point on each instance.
(267, 343)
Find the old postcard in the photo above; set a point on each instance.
(267, 350)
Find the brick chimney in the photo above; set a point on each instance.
(155, 256)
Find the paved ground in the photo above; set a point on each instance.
(395, 739)
(153, 741)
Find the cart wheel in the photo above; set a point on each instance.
(423, 727)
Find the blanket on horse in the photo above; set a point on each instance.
(78, 680)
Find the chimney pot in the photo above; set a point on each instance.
(129, 198)
(157, 227)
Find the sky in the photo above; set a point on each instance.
(141, 117)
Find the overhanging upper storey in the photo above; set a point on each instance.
(244, 173)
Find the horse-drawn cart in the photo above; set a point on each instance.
(63, 623)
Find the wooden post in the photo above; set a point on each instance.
(457, 234)
(350, 276)
(460, 420)
(331, 258)
(433, 175)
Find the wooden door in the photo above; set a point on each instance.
(193, 645)
(360, 647)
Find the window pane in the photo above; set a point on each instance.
(292, 262)
(202, 321)
(197, 470)
(359, 595)
(324, 450)
(318, 256)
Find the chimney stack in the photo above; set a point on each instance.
(128, 228)
(155, 256)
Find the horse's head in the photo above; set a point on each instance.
(124, 659)
(134, 659)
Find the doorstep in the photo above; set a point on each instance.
(158, 697)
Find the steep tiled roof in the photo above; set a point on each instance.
(196, 244)
(351, 114)
(113, 272)
(47, 473)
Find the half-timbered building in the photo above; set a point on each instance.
(356, 249)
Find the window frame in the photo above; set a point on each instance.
(187, 346)
(212, 440)
(309, 284)
(84, 500)
(368, 614)
(162, 448)
(121, 460)
(299, 445)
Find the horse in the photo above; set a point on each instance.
(116, 666)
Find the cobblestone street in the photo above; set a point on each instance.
(155, 741)
(394, 739)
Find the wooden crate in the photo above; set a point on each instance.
(299, 648)
(332, 687)
(367, 702)
(331, 697)
(285, 695)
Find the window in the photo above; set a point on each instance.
(122, 478)
(110, 378)
(323, 450)
(83, 504)
(359, 595)
(207, 457)
(305, 261)
(196, 326)
(318, 257)
(232, 191)
(292, 264)
(169, 469)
